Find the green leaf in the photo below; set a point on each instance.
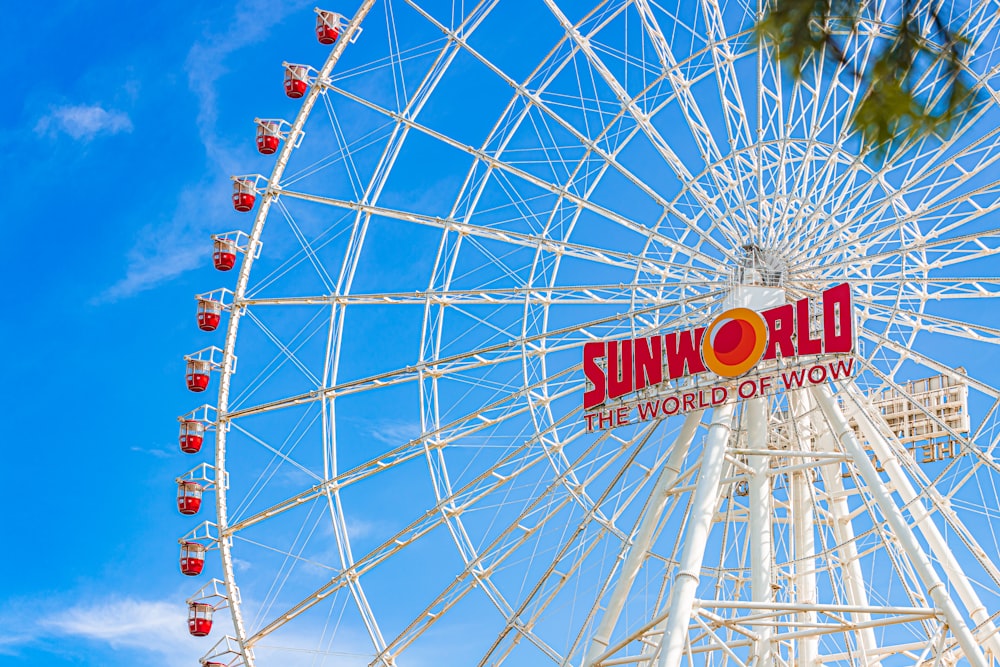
(890, 112)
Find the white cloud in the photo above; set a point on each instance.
(125, 623)
(83, 122)
(153, 451)
(154, 260)
(156, 628)
(358, 528)
(10, 644)
(164, 251)
(395, 434)
(155, 633)
(252, 22)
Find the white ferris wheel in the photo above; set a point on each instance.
(464, 280)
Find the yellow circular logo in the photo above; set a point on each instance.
(734, 342)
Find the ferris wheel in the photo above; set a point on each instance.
(588, 337)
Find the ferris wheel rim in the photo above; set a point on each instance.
(222, 422)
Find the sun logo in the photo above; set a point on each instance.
(734, 342)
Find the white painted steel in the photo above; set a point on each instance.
(923, 519)
(760, 530)
(901, 529)
(643, 539)
(840, 511)
(703, 506)
(804, 537)
(235, 312)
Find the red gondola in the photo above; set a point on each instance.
(224, 255)
(296, 80)
(189, 497)
(198, 374)
(209, 314)
(192, 558)
(200, 619)
(327, 26)
(244, 194)
(268, 136)
(192, 435)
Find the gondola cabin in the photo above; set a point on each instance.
(189, 497)
(268, 137)
(209, 314)
(192, 435)
(198, 374)
(244, 194)
(296, 80)
(200, 619)
(224, 254)
(192, 558)
(327, 27)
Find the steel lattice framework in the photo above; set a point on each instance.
(469, 193)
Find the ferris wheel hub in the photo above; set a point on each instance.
(757, 279)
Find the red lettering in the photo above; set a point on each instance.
(688, 401)
(648, 410)
(792, 379)
(619, 368)
(594, 396)
(842, 368)
(671, 410)
(805, 344)
(817, 379)
(781, 328)
(621, 415)
(719, 395)
(648, 362)
(684, 352)
(838, 318)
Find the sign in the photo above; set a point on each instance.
(730, 347)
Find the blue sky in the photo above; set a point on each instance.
(118, 140)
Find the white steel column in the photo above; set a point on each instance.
(643, 536)
(703, 505)
(760, 521)
(805, 564)
(854, 407)
(900, 528)
(803, 531)
(847, 550)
